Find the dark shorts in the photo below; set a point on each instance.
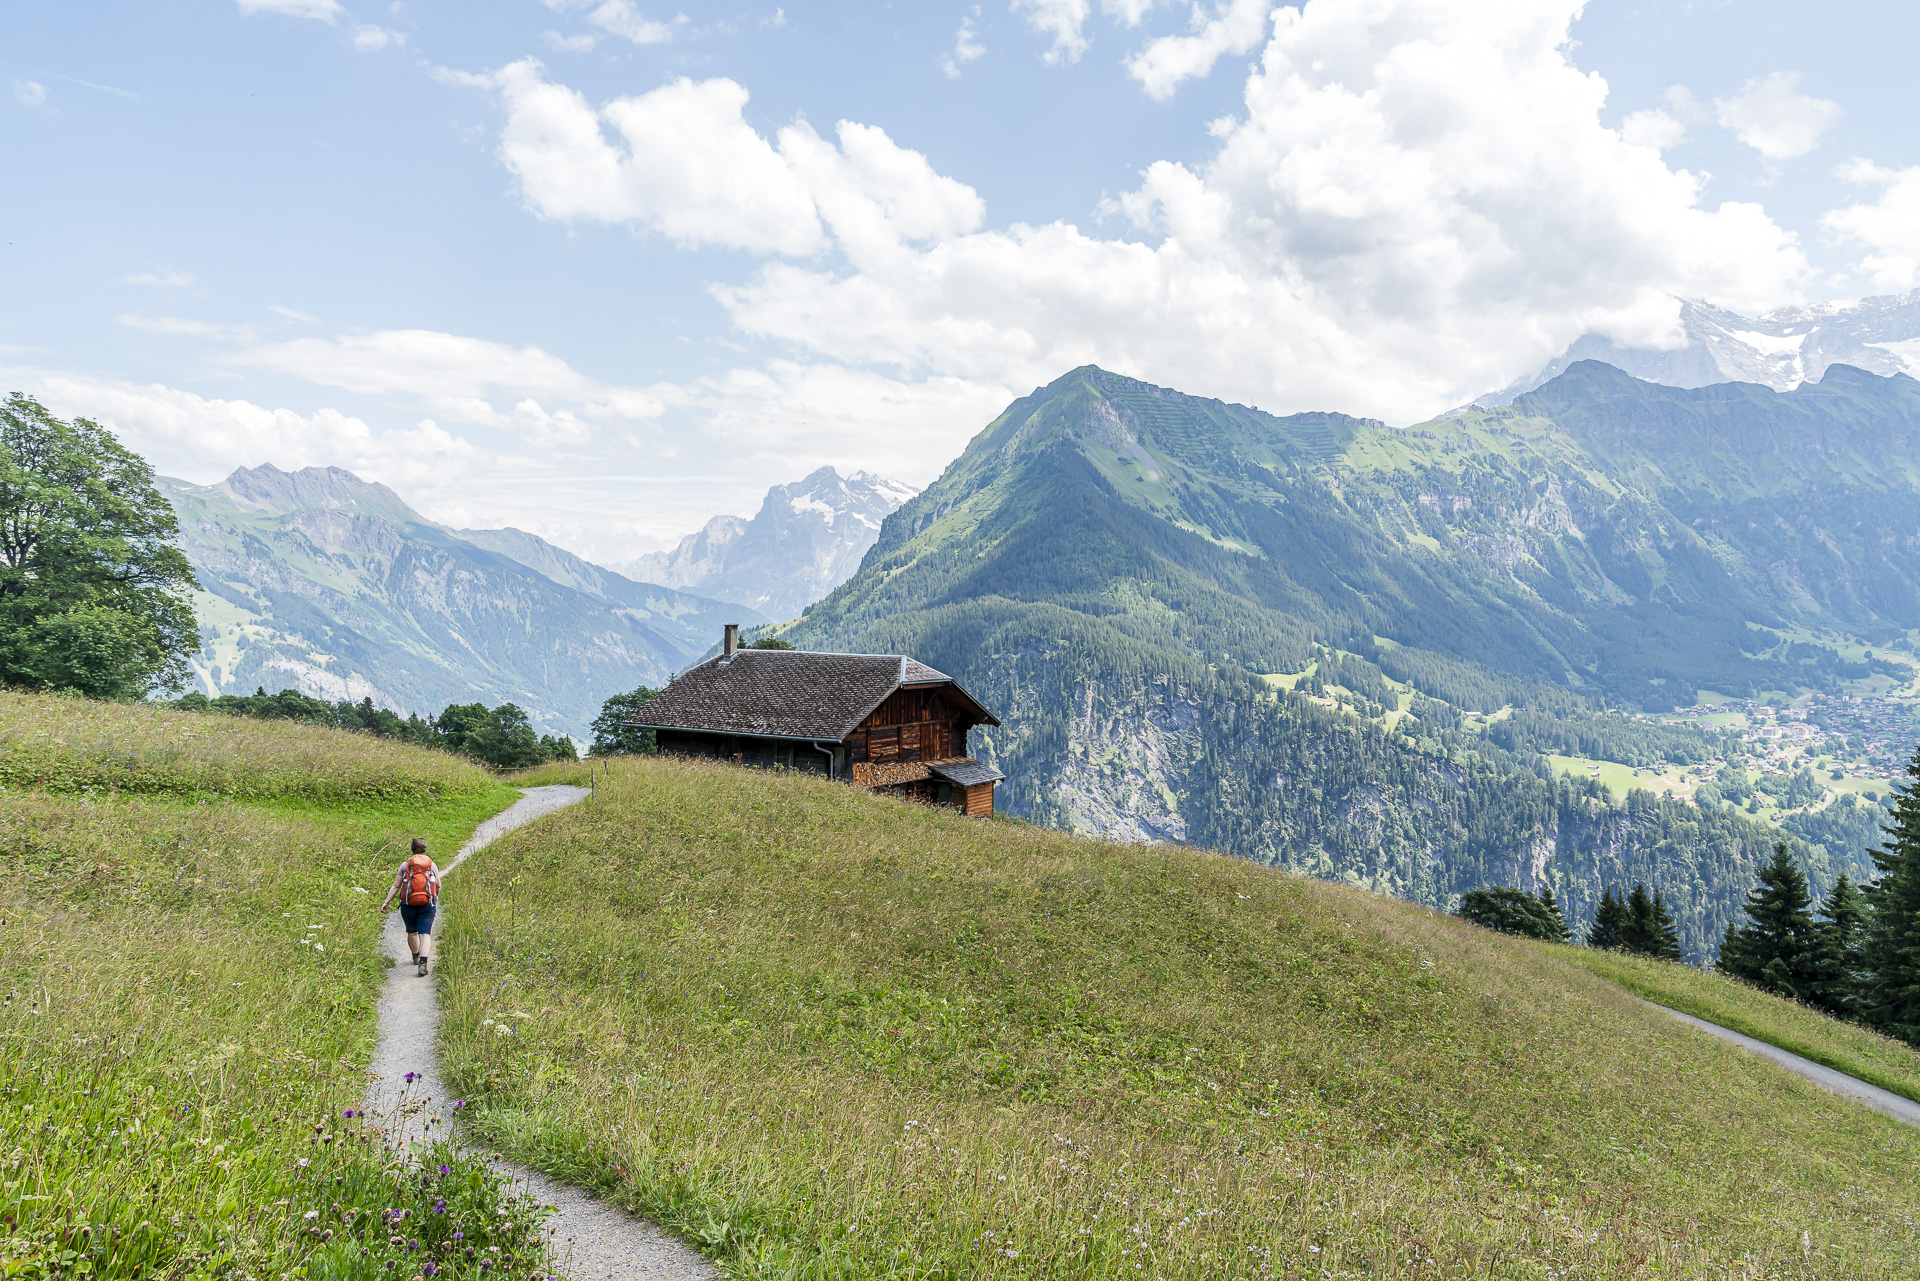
(419, 918)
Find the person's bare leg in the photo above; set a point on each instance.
(413, 947)
(426, 950)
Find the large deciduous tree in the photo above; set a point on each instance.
(94, 596)
(612, 736)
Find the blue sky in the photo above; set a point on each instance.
(601, 269)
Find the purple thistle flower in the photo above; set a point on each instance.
(411, 1077)
(446, 1169)
(458, 1104)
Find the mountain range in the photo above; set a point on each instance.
(319, 580)
(1780, 349)
(1137, 580)
(806, 539)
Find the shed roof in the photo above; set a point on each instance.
(789, 693)
(965, 771)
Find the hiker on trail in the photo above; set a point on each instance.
(418, 885)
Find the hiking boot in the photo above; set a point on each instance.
(423, 965)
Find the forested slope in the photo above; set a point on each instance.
(1110, 565)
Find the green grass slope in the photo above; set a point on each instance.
(1846, 1047)
(831, 1035)
(188, 981)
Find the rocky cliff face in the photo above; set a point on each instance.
(319, 580)
(806, 539)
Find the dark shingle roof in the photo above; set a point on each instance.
(786, 693)
(965, 771)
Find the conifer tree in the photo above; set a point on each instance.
(1839, 940)
(1891, 999)
(1666, 932)
(1649, 928)
(1776, 948)
(1609, 923)
(1547, 901)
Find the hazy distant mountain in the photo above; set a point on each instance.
(1781, 349)
(320, 580)
(807, 539)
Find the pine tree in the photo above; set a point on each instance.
(1891, 1000)
(1563, 934)
(1666, 932)
(1609, 923)
(1839, 950)
(1776, 949)
(1649, 928)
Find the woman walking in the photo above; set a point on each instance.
(418, 885)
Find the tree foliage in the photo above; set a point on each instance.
(612, 736)
(1515, 911)
(94, 596)
(502, 737)
(1776, 948)
(1891, 992)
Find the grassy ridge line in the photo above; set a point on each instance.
(187, 996)
(827, 1034)
(1845, 1047)
(74, 745)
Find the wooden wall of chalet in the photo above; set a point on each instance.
(912, 725)
(976, 801)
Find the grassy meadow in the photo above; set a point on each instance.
(187, 989)
(75, 745)
(825, 1034)
(1847, 1047)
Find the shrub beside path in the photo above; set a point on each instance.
(592, 1241)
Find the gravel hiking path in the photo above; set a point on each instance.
(1900, 1109)
(592, 1241)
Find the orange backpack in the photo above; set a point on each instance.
(419, 887)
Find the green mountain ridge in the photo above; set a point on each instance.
(319, 580)
(1112, 565)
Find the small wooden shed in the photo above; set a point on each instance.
(881, 721)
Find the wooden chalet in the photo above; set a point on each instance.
(881, 721)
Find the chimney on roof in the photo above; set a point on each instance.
(730, 642)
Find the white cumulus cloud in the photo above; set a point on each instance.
(324, 10)
(966, 47)
(29, 93)
(1772, 116)
(682, 160)
(370, 38)
(201, 439)
(460, 379)
(1420, 202)
(622, 18)
(1064, 22)
(1889, 227)
(582, 43)
(1233, 27)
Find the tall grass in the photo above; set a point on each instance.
(57, 744)
(826, 1034)
(187, 996)
(1846, 1047)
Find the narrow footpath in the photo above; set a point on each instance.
(1852, 1087)
(592, 1241)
